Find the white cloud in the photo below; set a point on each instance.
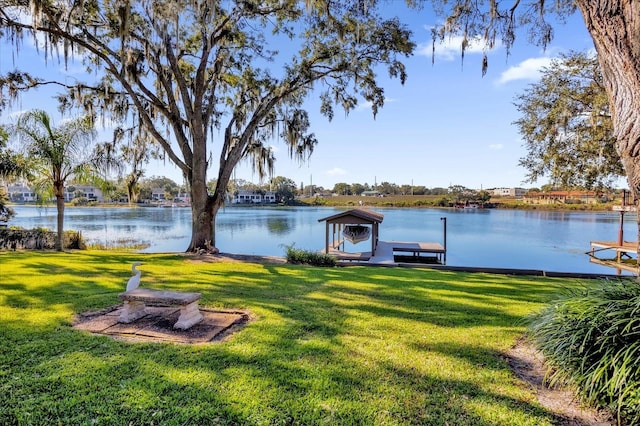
(362, 106)
(496, 146)
(450, 48)
(529, 69)
(336, 171)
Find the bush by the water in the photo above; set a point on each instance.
(295, 255)
(590, 338)
(38, 239)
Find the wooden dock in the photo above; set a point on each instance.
(363, 256)
(624, 255)
(386, 252)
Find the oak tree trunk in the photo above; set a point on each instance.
(202, 224)
(615, 29)
(202, 217)
(204, 206)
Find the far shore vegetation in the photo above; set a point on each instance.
(435, 201)
(393, 200)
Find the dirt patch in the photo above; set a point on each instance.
(229, 257)
(157, 325)
(528, 364)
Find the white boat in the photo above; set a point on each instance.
(356, 233)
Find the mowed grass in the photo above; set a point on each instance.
(349, 346)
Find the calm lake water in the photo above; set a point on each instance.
(551, 241)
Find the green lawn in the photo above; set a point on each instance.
(357, 345)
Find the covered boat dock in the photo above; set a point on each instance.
(348, 225)
(338, 223)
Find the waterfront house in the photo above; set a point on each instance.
(182, 198)
(253, 197)
(21, 194)
(89, 192)
(157, 194)
(509, 192)
(564, 197)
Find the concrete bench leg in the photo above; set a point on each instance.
(131, 311)
(189, 316)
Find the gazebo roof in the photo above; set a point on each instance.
(357, 215)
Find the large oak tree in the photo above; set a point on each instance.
(203, 74)
(566, 125)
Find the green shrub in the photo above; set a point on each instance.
(74, 240)
(79, 201)
(299, 256)
(442, 202)
(590, 338)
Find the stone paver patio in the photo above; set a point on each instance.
(157, 325)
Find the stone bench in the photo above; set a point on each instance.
(137, 299)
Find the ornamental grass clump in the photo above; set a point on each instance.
(590, 338)
(300, 256)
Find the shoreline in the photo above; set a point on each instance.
(387, 203)
(234, 257)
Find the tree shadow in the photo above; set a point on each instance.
(328, 346)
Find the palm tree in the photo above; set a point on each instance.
(57, 153)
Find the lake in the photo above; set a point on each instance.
(528, 239)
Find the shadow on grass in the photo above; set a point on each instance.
(337, 346)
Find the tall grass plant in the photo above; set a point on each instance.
(591, 339)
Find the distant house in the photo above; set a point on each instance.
(253, 197)
(371, 193)
(24, 194)
(509, 192)
(89, 192)
(157, 194)
(21, 194)
(564, 197)
(182, 197)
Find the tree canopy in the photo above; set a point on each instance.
(192, 72)
(567, 126)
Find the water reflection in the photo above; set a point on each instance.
(528, 239)
(280, 226)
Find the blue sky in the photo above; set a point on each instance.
(448, 125)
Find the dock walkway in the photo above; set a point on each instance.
(621, 250)
(419, 252)
(624, 254)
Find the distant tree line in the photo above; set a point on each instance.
(386, 188)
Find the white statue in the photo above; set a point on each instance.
(134, 281)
